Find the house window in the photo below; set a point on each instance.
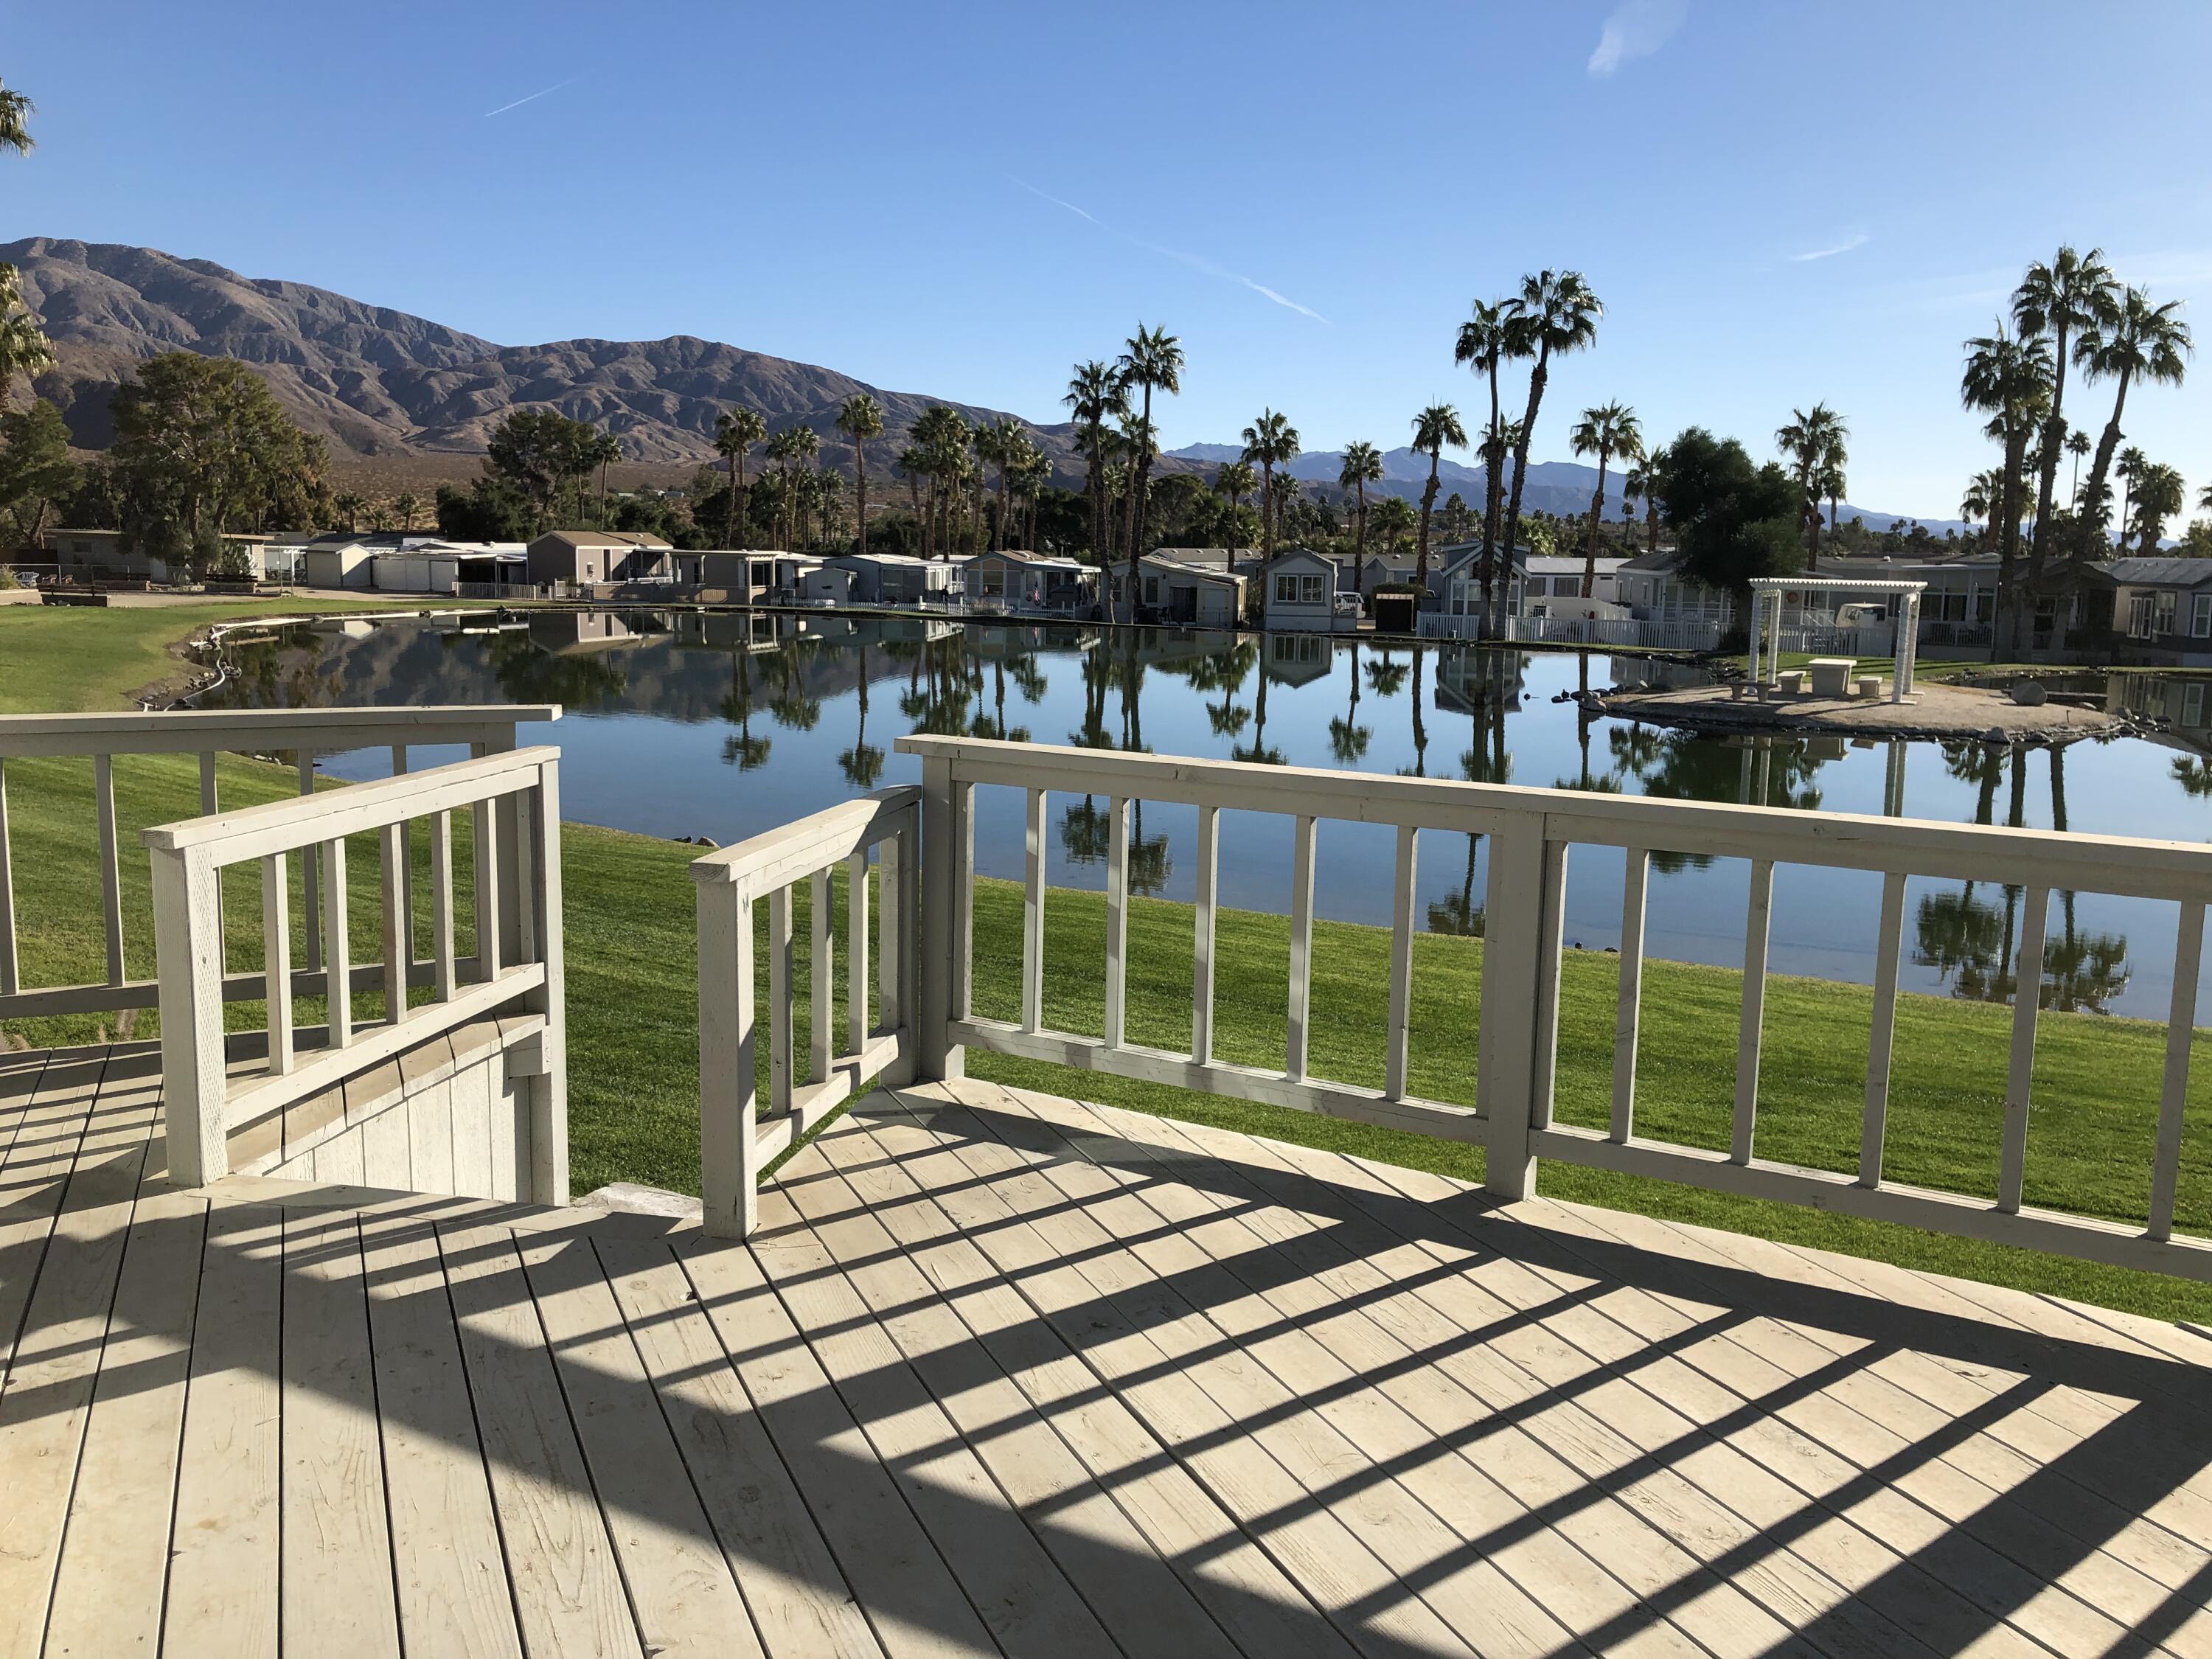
(2200, 616)
(1286, 590)
(2192, 703)
(2163, 618)
(1151, 590)
(1310, 591)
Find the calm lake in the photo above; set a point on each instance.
(726, 724)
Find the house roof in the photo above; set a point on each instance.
(1039, 561)
(1220, 558)
(1161, 561)
(581, 538)
(1283, 553)
(2152, 572)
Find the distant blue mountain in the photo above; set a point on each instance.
(1560, 487)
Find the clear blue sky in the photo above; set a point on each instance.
(1777, 203)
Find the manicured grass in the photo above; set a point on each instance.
(67, 660)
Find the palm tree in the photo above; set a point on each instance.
(1095, 396)
(1609, 429)
(1363, 465)
(1140, 445)
(2060, 301)
(912, 463)
(24, 349)
(1153, 358)
(406, 507)
(1828, 484)
(348, 507)
(2158, 494)
(1002, 442)
(1434, 428)
(2130, 465)
(1555, 313)
(1808, 440)
(2008, 379)
(1984, 491)
(860, 417)
(2138, 341)
(736, 431)
(1486, 340)
(2077, 446)
(1233, 480)
(1269, 443)
(15, 110)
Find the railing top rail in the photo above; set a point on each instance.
(2107, 863)
(809, 844)
(188, 729)
(281, 826)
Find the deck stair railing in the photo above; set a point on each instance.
(513, 799)
(736, 1139)
(1532, 833)
(302, 734)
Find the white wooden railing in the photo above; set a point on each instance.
(513, 803)
(304, 734)
(736, 1141)
(1532, 832)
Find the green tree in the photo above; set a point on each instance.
(406, 507)
(2009, 380)
(2158, 495)
(1435, 428)
(1151, 360)
(860, 418)
(348, 506)
(1486, 340)
(1095, 395)
(537, 451)
(36, 472)
(2060, 301)
(24, 348)
(1608, 430)
(1363, 465)
(202, 447)
(1811, 441)
(1233, 480)
(2138, 341)
(736, 431)
(1734, 521)
(1269, 443)
(1555, 313)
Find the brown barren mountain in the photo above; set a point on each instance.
(404, 391)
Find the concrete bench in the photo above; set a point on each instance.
(1869, 687)
(1831, 675)
(1790, 683)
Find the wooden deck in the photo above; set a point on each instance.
(1008, 1374)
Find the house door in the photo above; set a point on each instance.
(1183, 604)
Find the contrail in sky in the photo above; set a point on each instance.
(520, 102)
(1197, 262)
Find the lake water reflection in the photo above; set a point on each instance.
(724, 724)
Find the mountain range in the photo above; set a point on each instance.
(377, 382)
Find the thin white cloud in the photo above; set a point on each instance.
(1636, 29)
(1857, 239)
(533, 98)
(1195, 261)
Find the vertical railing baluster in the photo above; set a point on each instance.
(856, 950)
(906, 974)
(338, 947)
(947, 853)
(1874, 1126)
(276, 957)
(549, 1090)
(390, 862)
(2174, 1093)
(1202, 977)
(310, 889)
(1514, 1062)
(822, 990)
(891, 878)
(441, 905)
(1117, 922)
(728, 1100)
(208, 810)
(1033, 913)
(1301, 987)
(10, 976)
(1550, 955)
(488, 903)
(1628, 1016)
(518, 914)
(1402, 964)
(1758, 915)
(111, 871)
(406, 866)
(2026, 1002)
(779, 1000)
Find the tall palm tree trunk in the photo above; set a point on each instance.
(2101, 469)
(861, 494)
(1597, 511)
(1428, 503)
(1537, 376)
(1493, 494)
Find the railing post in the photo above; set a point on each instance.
(538, 815)
(194, 1078)
(1520, 999)
(10, 981)
(948, 850)
(728, 1101)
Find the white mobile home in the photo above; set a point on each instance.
(1297, 592)
(1201, 595)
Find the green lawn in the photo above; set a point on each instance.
(633, 1039)
(67, 660)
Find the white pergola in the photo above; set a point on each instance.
(1905, 620)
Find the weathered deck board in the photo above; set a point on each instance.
(1003, 1373)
